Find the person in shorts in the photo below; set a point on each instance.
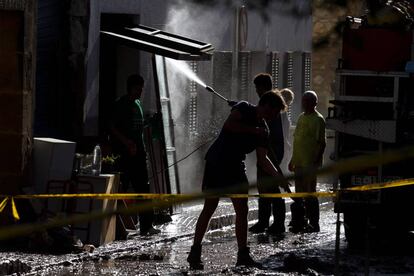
(244, 131)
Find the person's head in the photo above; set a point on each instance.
(135, 84)
(309, 101)
(263, 83)
(270, 105)
(287, 95)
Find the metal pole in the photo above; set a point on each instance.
(337, 243)
(367, 245)
(235, 58)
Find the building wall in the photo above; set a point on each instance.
(325, 60)
(51, 101)
(325, 56)
(17, 70)
(280, 33)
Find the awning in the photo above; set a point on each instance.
(161, 43)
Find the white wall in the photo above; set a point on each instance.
(215, 24)
(285, 33)
(209, 24)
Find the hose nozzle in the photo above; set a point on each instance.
(209, 88)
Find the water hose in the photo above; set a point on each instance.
(210, 89)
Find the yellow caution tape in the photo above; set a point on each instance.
(376, 186)
(166, 200)
(297, 195)
(183, 197)
(25, 229)
(167, 196)
(3, 204)
(14, 210)
(105, 196)
(19, 230)
(337, 168)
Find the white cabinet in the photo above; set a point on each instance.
(53, 160)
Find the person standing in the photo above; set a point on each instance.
(243, 131)
(308, 146)
(263, 84)
(126, 129)
(288, 96)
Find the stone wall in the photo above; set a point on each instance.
(327, 46)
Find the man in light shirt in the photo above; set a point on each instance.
(308, 146)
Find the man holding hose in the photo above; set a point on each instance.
(244, 131)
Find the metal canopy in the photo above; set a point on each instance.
(161, 43)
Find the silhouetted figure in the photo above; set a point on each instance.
(243, 132)
(126, 128)
(288, 96)
(308, 147)
(263, 84)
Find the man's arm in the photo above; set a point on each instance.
(319, 153)
(286, 130)
(264, 163)
(321, 145)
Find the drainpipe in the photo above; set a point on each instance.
(235, 58)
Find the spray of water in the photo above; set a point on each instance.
(183, 67)
(187, 18)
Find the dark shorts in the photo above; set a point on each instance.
(225, 178)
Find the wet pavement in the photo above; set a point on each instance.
(165, 253)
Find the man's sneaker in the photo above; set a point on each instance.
(194, 258)
(257, 228)
(312, 228)
(150, 231)
(276, 229)
(244, 258)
